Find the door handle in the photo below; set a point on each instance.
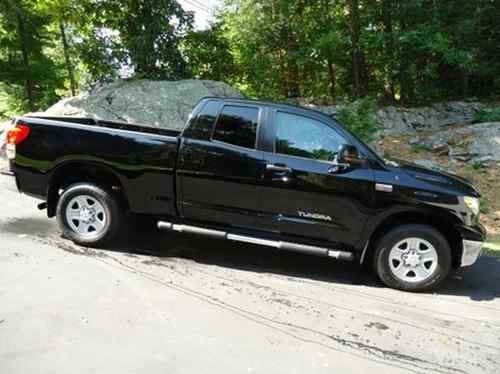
(278, 167)
(337, 166)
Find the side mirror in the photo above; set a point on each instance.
(349, 154)
(348, 157)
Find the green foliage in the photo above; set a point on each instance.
(360, 117)
(478, 165)
(207, 54)
(24, 63)
(416, 148)
(144, 35)
(407, 52)
(403, 52)
(488, 115)
(4, 106)
(484, 207)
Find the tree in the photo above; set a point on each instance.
(207, 54)
(145, 34)
(406, 52)
(23, 61)
(62, 13)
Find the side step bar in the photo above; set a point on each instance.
(313, 250)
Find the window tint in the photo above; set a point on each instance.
(201, 127)
(237, 125)
(306, 137)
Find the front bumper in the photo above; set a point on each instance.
(471, 251)
(8, 181)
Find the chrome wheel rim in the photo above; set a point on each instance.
(86, 215)
(413, 260)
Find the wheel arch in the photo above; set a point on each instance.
(72, 172)
(445, 225)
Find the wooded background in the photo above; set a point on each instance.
(406, 52)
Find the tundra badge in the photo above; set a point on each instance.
(314, 216)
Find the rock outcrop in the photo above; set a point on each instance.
(150, 103)
(396, 121)
(438, 116)
(475, 143)
(169, 103)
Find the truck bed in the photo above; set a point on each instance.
(112, 125)
(142, 159)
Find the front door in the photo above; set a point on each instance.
(303, 193)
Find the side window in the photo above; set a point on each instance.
(201, 127)
(306, 137)
(237, 125)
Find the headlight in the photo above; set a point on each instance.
(472, 203)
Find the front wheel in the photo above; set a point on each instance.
(413, 258)
(88, 215)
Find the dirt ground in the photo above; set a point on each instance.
(486, 178)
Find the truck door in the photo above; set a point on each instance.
(219, 166)
(303, 193)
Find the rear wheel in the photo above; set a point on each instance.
(88, 215)
(413, 258)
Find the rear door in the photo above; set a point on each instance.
(302, 194)
(220, 166)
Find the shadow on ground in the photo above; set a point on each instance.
(27, 226)
(480, 282)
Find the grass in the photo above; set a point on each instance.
(478, 165)
(492, 249)
(484, 207)
(488, 115)
(417, 148)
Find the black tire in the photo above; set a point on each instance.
(111, 209)
(427, 233)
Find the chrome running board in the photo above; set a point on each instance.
(288, 246)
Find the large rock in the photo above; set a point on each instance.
(152, 103)
(475, 143)
(396, 121)
(406, 120)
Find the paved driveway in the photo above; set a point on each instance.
(158, 303)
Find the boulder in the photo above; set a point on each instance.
(475, 143)
(396, 121)
(485, 145)
(164, 104)
(437, 143)
(407, 120)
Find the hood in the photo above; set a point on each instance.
(438, 178)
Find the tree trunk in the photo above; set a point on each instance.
(406, 79)
(390, 45)
(333, 83)
(69, 67)
(26, 61)
(465, 84)
(355, 53)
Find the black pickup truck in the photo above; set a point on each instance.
(255, 172)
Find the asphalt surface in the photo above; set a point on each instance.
(162, 303)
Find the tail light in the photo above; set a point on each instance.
(18, 133)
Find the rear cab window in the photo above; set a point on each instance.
(202, 125)
(237, 125)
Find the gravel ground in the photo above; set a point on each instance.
(157, 303)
